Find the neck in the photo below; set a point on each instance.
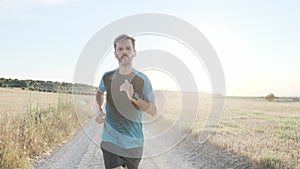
(125, 70)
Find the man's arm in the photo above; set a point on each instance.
(99, 99)
(148, 107)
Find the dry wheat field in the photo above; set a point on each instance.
(266, 133)
(34, 123)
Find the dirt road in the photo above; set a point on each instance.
(82, 151)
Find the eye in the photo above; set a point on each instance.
(120, 48)
(128, 48)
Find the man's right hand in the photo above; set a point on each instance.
(100, 117)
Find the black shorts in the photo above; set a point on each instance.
(115, 156)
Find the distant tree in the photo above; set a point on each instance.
(27, 82)
(47, 86)
(17, 83)
(270, 97)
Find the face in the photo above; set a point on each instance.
(124, 52)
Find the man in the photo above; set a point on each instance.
(128, 94)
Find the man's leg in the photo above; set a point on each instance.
(112, 161)
(132, 163)
(124, 157)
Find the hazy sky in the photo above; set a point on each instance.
(256, 41)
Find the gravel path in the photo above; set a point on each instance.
(79, 152)
(82, 151)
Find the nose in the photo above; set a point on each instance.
(124, 53)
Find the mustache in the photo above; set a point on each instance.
(124, 55)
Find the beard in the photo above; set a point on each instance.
(125, 60)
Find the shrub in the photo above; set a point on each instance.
(270, 97)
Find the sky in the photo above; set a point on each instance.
(257, 42)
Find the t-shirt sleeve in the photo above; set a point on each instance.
(101, 85)
(148, 91)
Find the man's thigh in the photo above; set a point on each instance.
(119, 156)
(112, 160)
(132, 163)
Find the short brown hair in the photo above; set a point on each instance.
(123, 37)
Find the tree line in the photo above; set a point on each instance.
(47, 86)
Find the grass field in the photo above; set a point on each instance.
(34, 123)
(16, 100)
(267, 133)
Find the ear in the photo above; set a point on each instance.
(115, 54)
(134, 53)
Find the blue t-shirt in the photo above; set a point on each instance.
(123, 120)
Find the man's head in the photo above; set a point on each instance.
(124, 37)
(124, 49)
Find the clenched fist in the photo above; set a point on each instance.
(100, 117)
(128, 88)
